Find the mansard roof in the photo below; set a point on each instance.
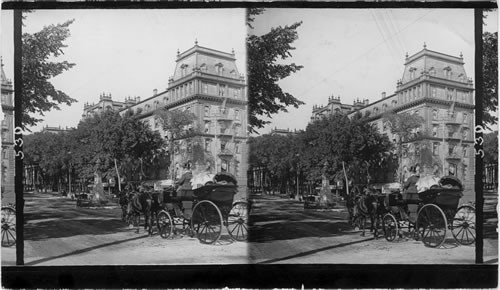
(435, 64)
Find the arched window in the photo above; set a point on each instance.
(208, 142)
(435, 131)
(434, 114)
(207, 127)
(435, 148)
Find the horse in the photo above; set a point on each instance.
(365, 205)
(145, 203)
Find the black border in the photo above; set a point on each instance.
(250, 276)
(177, 4)
(253, 276)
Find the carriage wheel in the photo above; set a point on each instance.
(206, 222)
(8, 227)
(431, 225)
(390, 227)
(463, 225)
(164, 223)
(237, 221)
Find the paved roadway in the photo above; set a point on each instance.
(283, 232)
(59, 233)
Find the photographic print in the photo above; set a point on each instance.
(248, 147)
(135, 144)
(368, 155)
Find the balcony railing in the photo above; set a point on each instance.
(453, 156)
(452, 119)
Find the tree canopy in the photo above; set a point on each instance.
(322, 149)
(39, 50)
(106, 143)
(490, 78)
(266, 54)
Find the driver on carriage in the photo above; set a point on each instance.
(410, 192)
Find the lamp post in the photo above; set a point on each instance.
(298, 174)
(69, 173)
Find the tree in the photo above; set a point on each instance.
(179, 125)
(490, 148)
(405, 127)
(264, 72)
(277, 155)
(490, 78)
(38, 49)
(337, 141)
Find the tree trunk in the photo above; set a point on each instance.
(118, 174)
(346, 181)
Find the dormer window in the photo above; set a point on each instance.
(147, 107)
(219, 68)
(375, 110)
(203, 67)
(412, 73)
(447, 72)
(432, 71)
(156, 105)
(394, 103)
(184, 70)
(233, 73)
(384, 107)
(461, 77)
(434, 115)
(165, 100)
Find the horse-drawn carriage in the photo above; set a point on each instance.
(202, 212)
(8, 225)
(438, 211)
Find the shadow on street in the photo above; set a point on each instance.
(275, 219)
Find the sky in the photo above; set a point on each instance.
(360, 53)
(126, 52)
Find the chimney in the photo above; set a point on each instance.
(383, 95)
(138, 99)
(155, 92)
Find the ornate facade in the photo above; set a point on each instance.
(206, 82)
(107, 103)
(8, 158)
(435, 86)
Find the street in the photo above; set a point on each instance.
(283, 232)
(59, 233)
